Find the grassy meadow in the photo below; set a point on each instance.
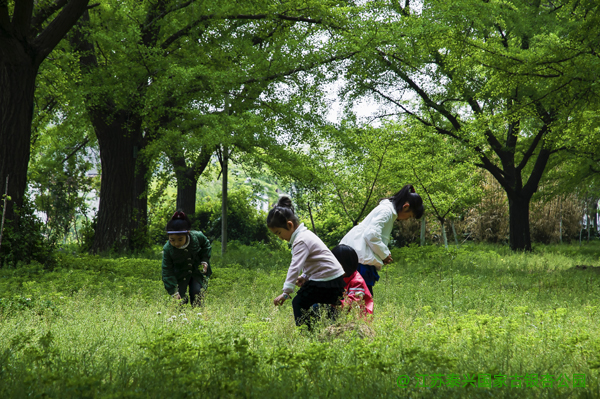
(477, 322)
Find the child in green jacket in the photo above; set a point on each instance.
(186, 260)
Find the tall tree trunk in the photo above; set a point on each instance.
(139, 238)
(187, 179)
(186, 194)
(123, 208)
(23, 47)
(17, 83)
(519, 194)
(224, 163)
(518, 209)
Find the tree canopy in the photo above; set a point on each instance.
(154, 90)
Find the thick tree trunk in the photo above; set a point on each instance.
(139, 238)
(187, 181)
(518, 209)
(123, 211)
(17, 83)
(21, 53)
(23, 47)
(186, 193)
(519, 194)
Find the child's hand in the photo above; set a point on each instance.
(388, 259)
(176, 295)
(205, 267)
(300, 281)
(280, 299)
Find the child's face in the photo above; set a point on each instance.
(406, 212)
(283, 233)
(177, 240)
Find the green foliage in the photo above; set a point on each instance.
(24, 241)
(252, 257)
(330, 225)
(87, 233)
(443, 175)
(364, 169)
(158, 216)
(245, 223)
(351, 173)
(488, 76)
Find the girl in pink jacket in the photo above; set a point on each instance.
(357, 293)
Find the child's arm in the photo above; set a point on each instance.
(301, 280)
(299, 255)
(168, 274)
(205, 248)
(373, 236)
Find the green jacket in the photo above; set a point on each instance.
(179, 265)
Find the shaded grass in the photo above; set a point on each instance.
(99, 327)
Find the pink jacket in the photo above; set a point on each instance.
(356, 291)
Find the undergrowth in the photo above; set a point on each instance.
(446, 324)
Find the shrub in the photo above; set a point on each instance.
(245, 223)
(23, 241)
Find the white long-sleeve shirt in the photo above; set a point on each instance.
(311, 256)
(370, 237)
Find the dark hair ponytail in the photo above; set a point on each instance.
(281, 213)
(179, 222)
(408, 194)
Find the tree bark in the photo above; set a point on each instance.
(17, 83)
(23, 47)
(123, 208)
(186, 194)
(518, 209)
(187, 180)
(224, 165)
(312, 220)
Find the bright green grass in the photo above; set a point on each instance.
(98, 327)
